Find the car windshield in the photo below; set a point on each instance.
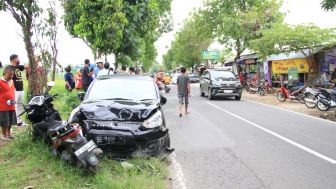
(122, 89)
(223, 75)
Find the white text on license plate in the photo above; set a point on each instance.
(228, 91)
(87, 146)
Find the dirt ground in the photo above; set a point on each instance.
(290, 105)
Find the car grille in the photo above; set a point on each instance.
(228, 85)
(108, 125)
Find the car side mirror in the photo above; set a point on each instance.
(81, 96)
(163, 100)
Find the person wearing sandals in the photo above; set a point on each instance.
(7, 103)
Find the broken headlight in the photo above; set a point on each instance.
(155, 120)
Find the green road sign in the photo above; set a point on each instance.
(210, 55)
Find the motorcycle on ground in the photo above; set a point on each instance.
(326, 100)
(311, 95)
(292, 93)
(66, 140)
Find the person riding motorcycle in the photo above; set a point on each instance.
(159, 81)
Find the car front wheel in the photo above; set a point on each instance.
(237, 97)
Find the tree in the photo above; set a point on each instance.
(283, 38)
(99, 23)
(117, 26)
(195, 36)
(24, 12)
(148, 54)
(328, 5)
(237, 22)
(46, 31)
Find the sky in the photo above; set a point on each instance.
(74, 51)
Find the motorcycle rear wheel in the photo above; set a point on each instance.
(310, 104)
(281, 96)
(322, 107)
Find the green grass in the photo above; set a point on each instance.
(24, 163)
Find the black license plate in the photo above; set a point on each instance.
(103, 140)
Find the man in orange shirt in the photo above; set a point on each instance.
(7, 103)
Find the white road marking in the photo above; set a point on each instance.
(178, 172)
(277, 135)
(299, 113)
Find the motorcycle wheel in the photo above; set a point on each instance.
(310, 104)
(262, 92)
(281, 96)
(322, 107)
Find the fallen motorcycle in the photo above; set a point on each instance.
(327, 100)
(292, 93)
(66, 140)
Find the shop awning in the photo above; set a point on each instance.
(292, 55)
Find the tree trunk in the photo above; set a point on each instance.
(33, 79)
(53, 76)
(116, 61)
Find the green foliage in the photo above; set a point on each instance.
(99, 23)
(116, 26)
(24, 163)
(328, 5)
(155, 68)
(237, 22)
(195, 36)
(283, 38)
(148, 55)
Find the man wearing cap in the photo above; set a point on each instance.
(18, 83)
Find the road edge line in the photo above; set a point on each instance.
(178, 172)
(292, 111)
(304, 148)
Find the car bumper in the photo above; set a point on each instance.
(230, 92)
(118, 143)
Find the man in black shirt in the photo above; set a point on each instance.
(86, 75)
(18, 83)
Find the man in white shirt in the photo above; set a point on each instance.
(106, 70)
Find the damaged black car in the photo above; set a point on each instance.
(123, 114)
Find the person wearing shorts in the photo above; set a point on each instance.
(183, 91)
(7, 104)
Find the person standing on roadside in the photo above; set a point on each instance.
(132, 71)
(183, 91)
(7, 103)
(98, 68)
(86, 75)
(69, 79)
(78, 79)
(123, 70)
(106, 71)
(18, 83)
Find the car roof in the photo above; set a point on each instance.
(218, 70)
(124, 76)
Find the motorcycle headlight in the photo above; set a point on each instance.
(155, 120)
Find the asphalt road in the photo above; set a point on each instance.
(230, 144)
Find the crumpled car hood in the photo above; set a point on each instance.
(118, 110)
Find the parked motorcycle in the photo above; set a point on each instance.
(292, 93)
(311, 95)
(327, 100)
(66, 140)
